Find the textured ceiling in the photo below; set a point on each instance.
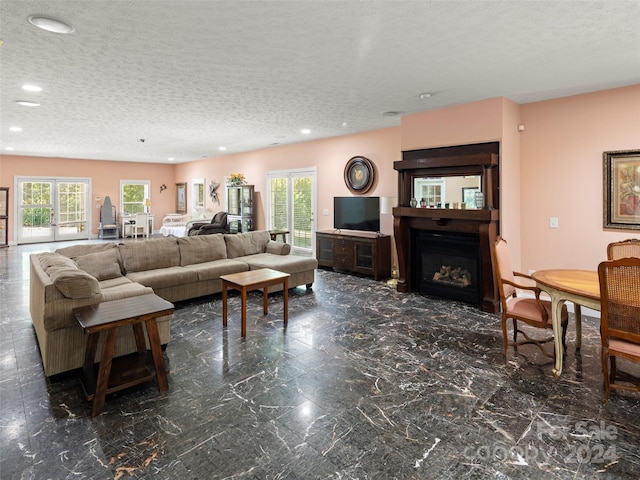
(191, 76)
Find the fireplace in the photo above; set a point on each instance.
(448, 265)
(456, 240)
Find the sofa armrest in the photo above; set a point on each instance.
(278, 248)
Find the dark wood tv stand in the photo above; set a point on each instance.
(355, 252)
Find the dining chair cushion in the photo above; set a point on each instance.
(528, 307)
(624, 347)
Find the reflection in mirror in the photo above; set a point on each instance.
(198, 194)
(437, 192)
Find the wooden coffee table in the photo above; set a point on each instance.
(123, 372)
(254, 280)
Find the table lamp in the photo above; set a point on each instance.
(147, 204)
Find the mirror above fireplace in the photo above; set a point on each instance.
(456, 191)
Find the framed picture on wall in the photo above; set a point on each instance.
(621, 188)
(181, 198)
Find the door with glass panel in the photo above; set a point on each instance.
(291, 196)
(51, 210)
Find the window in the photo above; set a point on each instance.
(133, 194)
(290, 206)
(429, 189)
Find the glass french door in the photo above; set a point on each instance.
(52, 209)
(291, 196)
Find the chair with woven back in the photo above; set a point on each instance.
(529, 308)
(619, 321)
(624, 249)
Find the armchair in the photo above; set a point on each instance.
(218, 225)
(528, 309)
(619, 321)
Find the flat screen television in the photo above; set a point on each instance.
(356, 213)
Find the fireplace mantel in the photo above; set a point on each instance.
(464, 160)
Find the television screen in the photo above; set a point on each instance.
(356, 213)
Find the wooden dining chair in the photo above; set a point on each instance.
(521, 301)
(624, 249)
(619, 321)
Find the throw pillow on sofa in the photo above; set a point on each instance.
(102, 265)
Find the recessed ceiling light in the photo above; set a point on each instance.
(15, 129)
(391, 114)
(49, 24)
(344, 124)
(26, 103)
(31, 88)
(424, 96)
(222, 149)
(305, 131)
(10, 149)
(171, 159)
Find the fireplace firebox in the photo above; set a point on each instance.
(448, 265)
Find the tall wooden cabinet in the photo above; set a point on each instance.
(4, 216)
(357, 252)
(241, 214)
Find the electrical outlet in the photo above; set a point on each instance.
(553, 222)
(325, 211)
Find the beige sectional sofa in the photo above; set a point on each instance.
(173, 268)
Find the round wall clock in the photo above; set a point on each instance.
(359, 174)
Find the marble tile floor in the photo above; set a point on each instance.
(365, 383)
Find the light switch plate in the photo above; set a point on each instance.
(553, 222)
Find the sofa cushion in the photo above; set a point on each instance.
(102, 265)
(74, 251)
(150, 254)
(283, 263)
(74, 283)
(113, 283)
(201, 248)
(213, 270)
(50, 261)
(250, 243)
(164, 277)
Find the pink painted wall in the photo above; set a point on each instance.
(562, 175)
(329, 156)
(105, 180)
(469, 123)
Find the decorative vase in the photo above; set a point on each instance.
(423, 203)
(413, 203)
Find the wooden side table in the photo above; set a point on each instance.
(117, 374)
(254, 280)
(275, 233)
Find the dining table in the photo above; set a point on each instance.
(582, 287)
